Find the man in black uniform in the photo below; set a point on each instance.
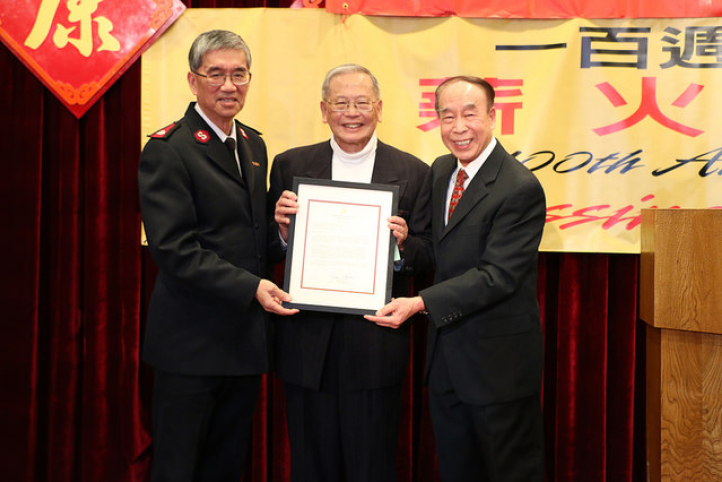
(203, 199)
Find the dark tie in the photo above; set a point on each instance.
(458, 191)
(231, 145)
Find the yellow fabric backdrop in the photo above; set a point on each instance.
(553, 103)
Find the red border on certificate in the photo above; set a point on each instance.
(372, 286)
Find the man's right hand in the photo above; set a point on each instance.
(271, 297)
(395, 313)
(285, 207)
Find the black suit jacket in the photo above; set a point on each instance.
(372, 356)
(483, 307)
(207, 231)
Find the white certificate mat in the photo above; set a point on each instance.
(340, 249)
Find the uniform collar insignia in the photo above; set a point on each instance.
(202, 136)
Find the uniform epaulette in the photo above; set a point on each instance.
(243, 126)
(165, 132)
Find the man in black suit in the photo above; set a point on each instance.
(484, 356)
(203, 199)
(343, 374)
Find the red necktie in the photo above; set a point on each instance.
(458, 190)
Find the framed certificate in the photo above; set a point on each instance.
(340, 249)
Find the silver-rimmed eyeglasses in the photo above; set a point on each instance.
(360, 105)
(216, 79)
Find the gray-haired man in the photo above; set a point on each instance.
(202, 187)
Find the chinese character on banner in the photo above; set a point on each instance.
(78, 48)
(619, 47)
(649, 108)
(701, 48)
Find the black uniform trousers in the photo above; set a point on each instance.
(202, 426)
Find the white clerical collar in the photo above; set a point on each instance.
(355, 157)
(221, 135)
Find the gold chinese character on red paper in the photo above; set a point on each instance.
(78, 48)
(80, 12)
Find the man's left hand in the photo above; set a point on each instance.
(399, 229)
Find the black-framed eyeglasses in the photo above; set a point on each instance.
(242, 77)
(359, 105)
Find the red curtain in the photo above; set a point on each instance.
(75, 398)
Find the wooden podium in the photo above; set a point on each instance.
(681, 303)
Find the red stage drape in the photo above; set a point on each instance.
(75, 398)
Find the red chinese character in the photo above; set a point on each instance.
(506, 109)
(649, 107)
(427, 108)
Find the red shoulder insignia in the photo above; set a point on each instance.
(164, 131)
(242, 126)
(243, 133)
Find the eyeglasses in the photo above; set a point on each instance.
(239, 78)
(359, 105)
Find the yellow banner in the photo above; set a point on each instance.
(611, 115)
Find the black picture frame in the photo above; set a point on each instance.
(328, 280)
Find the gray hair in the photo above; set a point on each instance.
(348, 69)
(216, 40)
